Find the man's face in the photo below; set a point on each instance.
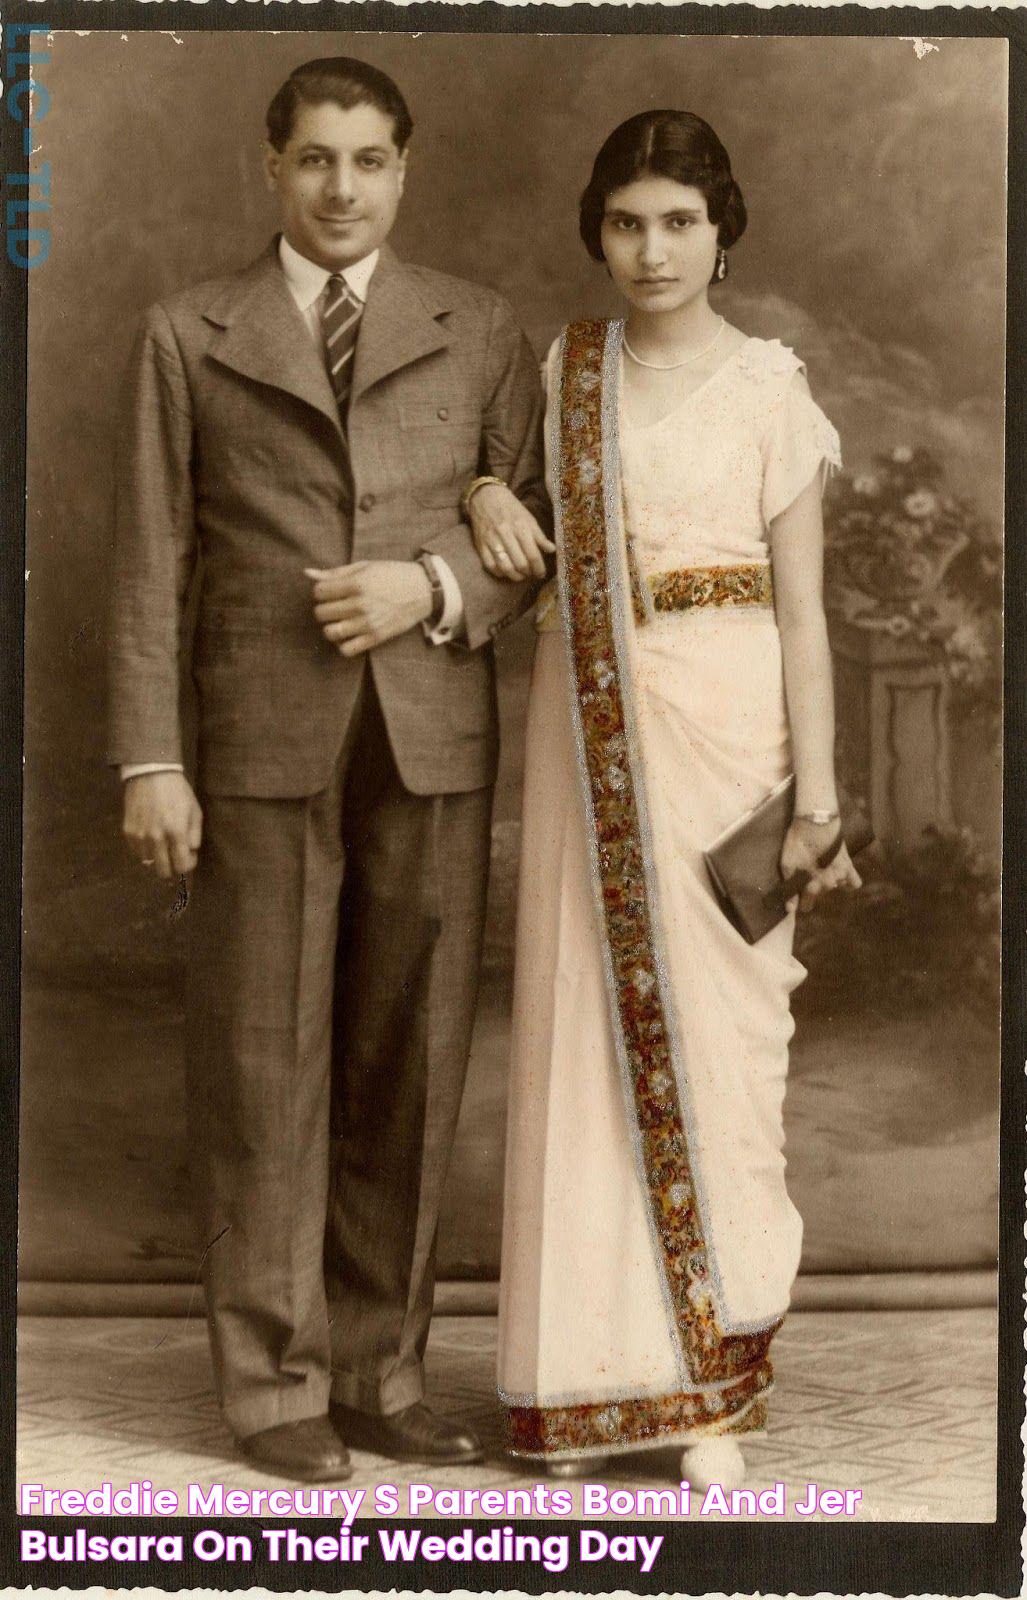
(338, 181)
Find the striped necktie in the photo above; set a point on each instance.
(340, 322)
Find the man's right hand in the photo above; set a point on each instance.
(162, 822)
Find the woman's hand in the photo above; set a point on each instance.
(508, 540)
(805, 842)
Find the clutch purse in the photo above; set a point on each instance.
(744, 863)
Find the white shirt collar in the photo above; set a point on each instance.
(306, 279)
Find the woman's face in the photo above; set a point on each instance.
(659, 243)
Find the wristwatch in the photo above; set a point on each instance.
(438, 594)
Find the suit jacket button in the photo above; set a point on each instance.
(367, 502)
(443, 414)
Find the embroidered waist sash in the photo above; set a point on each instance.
(596, 587)
(749, 583)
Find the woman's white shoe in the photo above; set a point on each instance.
(713, 1461)
(572, 1467)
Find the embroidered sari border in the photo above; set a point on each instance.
(593, 604)
(615, 536)
(593, 476)
(631, 1424)
(599, 1392)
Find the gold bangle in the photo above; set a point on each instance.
(820, 819)
(472, 489)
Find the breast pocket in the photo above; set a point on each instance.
(441, 443)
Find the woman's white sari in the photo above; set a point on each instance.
(649, 1244)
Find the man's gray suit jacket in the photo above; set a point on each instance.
(233, 457)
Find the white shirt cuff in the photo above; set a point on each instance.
(452, 618)
(143, 767)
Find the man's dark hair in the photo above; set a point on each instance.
(347, 83)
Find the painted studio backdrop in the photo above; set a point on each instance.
(874, 176)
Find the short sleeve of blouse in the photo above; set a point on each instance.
(799, 444)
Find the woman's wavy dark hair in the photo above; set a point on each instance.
(668, 144)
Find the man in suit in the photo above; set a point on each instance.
(302, 441)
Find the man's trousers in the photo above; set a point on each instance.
(336, 943)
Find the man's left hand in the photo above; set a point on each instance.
(368, 602)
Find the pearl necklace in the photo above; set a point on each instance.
(669, 366)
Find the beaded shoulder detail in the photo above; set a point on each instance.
(768, 358)
(771, 364)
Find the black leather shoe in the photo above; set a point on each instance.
(309, 1450)
(415, 1434)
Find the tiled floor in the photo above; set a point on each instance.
(898, 1404)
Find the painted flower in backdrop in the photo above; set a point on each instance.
(907, 559)
(922, 503)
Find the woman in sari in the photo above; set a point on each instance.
(681, 671)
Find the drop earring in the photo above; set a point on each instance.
(721, 271)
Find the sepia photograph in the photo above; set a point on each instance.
(512, 788)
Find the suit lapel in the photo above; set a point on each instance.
(263, 335)
(398, 326)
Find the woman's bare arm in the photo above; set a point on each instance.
(797, 554)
